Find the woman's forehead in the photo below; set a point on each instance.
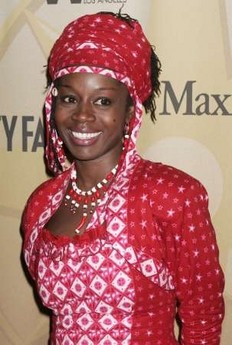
(80, 77)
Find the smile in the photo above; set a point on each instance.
(85, 136)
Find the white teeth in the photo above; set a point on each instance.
(85, 136)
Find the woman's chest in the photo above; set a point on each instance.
(98, 274)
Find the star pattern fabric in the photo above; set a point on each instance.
(120, 284)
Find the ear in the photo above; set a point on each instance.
(130, 113)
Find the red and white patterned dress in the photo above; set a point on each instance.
(149, 250)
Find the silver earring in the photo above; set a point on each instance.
(54, 92)
(126, 131)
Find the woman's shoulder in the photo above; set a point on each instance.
(50, 185)
(165, 177)
(42, 195)
(167, 189)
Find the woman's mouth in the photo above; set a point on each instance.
(85, 138)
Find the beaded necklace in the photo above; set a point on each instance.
(88, 199)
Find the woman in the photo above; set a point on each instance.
(117, 245)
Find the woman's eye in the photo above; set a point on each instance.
(103, 101)
(68, 99)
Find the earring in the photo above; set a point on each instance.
(126, 131)
(54, 92)
(126, 136)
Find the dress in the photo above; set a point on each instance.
(150, 249)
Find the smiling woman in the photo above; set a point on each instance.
(116, 243)
(90, 114)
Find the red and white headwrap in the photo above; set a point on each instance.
(104, 44)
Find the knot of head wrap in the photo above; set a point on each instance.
(105, 40)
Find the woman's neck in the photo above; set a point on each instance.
(92, 172)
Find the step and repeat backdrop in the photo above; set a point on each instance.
(193, 130)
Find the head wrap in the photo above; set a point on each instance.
(106, 41)
(105, 44)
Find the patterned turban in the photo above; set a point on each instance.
(106, 41)
(102, 44)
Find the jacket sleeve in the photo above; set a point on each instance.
(198, 275)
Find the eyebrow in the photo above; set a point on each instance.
(106, 88)
(64, 85)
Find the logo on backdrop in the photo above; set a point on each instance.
(22, 14)
(187, 102)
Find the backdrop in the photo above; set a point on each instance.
(193, 129)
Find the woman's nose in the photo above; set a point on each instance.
(83, 112)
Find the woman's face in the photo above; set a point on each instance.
(90, 115)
